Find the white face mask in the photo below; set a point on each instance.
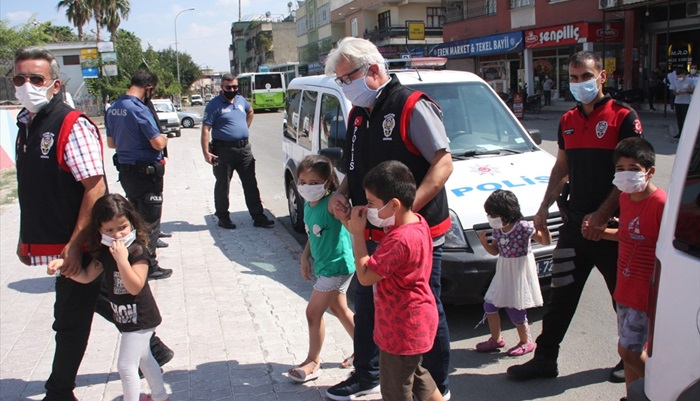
(31, 97)
(128, 239)
(630, 181)
(359, 93)
(312, 193)
(584, 92)
(375, 220)
(495, 222)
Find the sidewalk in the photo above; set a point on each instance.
(233, 311)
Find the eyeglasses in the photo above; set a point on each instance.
(345, 79)
(34, 79)
(230, 87)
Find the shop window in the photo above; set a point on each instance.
(435, 17)
(71, 60)
(521, 3)
(384, 20)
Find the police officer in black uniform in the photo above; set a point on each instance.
(134, 133)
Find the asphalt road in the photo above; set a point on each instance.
(589, 349)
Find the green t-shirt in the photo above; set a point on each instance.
(330, 242)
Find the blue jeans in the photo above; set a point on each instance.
(366, 362)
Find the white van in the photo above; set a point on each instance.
(490, 150)
(167, 117)
(673, 350)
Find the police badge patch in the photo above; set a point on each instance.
(600, 128)
(388, 125)
(46, 144)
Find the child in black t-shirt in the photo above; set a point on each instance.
(116, 240)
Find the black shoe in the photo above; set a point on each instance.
(161, 244)
(652, 109)
(534, 368)
(617, 374)
(160, 351)
(164, 234)
(262, 221)
(351, 388)
(159, 273)
(227, 224)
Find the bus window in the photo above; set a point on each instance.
(268, 81)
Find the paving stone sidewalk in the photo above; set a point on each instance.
(233, 311)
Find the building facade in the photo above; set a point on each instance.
(262, 41)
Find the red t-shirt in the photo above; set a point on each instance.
(638, 232)
(405, 312)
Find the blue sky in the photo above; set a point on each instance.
(203, 33)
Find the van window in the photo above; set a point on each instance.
(688, 219)
(306, 118)
(292, 108)
(332, 122)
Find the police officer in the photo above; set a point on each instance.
(134, 133)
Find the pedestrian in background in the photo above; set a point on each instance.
(580, 183)
(227, 120)
(399, 270)
(547, 86)
(117, 238)
(670, 81)
(654, 81)
(683, 91)
(135, 134)
(333, 264)
(515, 286)
(375, 134)
(693, 74)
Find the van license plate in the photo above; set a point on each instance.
(544, 268)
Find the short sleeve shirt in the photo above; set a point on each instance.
(516, 242)
(638, 232)
(405, 317)
(228, 121)
(329, 241)
(131, 124)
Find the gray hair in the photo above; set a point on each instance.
(227, 77)
(359, 52)
(38, 53)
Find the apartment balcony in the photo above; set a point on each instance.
(384, 35)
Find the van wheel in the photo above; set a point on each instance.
(295, 204)
(178, 133)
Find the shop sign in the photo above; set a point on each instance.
(556, 35)
(680, 54)
(611, 32)
(496, 44)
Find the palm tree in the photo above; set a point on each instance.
(114, 13)
(98, 8)
(78, 13)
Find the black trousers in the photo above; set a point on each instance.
(681, 112)
(547, 97)
(145, 192)
(73, 312)
(240, 160)
(574, 258)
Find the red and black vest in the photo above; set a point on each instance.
(383, 135)
(49, 195)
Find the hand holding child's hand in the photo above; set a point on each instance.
(340, 206)
(358, 220)
(54, 266)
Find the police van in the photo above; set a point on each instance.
(167, 117)
(672, 370)
(490, 150)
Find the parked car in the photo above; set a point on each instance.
(208, 97)
(196, 100)
(490, 150)
(672, 370)
(189, 119)
(167, 117)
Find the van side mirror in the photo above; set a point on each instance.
(535, 134)
(336, 155)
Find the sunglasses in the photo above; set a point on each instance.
(34, 79)
(230, 87)
(345, 79)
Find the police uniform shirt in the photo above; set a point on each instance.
(131, 124)
(228, 121)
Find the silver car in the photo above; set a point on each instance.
(189, 119)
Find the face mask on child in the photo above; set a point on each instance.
(495, 222)
(128, 239)
(630, 181)
(312, 193)
(375, 220)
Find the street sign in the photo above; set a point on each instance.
(110, 70)
(518, 105)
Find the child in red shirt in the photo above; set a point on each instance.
(405, 311)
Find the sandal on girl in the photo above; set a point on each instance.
(348, 362)
(298, 374)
